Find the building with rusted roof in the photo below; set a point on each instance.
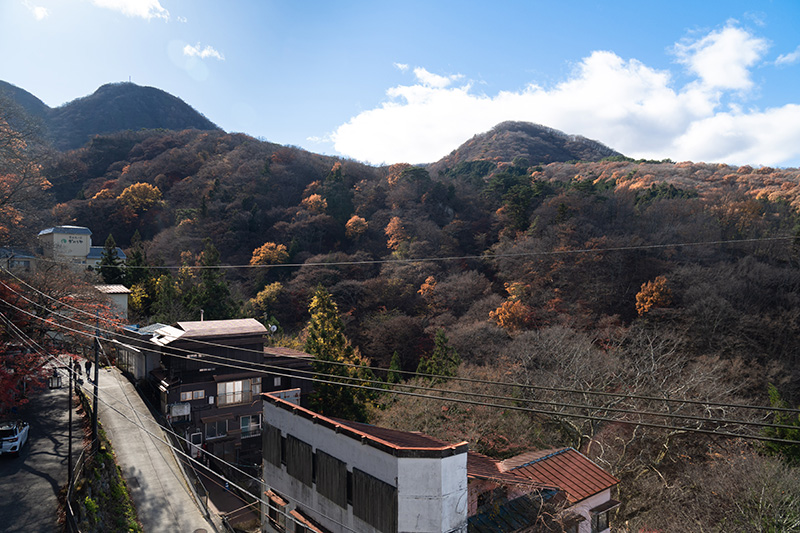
(341, 475)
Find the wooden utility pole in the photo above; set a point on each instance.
(70, 370)
(95, 433)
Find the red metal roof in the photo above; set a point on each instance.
(565, 468)
(482, 467)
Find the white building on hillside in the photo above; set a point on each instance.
(72, 244)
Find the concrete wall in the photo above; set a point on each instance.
(66, 245)
(582, 508)
(432, 492)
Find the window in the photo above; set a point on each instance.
(232, 392)
(215, 429)
(600, 516)
(298, 459)
(599, 522)
(276, 382)
(193, 395)
(250, 426)
(331, 478)
(272, 444)
(276, 510)
(374, 501)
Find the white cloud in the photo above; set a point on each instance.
(202, 53)
(401, 66)
(39, 12)
(625, 104)
(146, 9)
(434, 80)
(789, 59)
(722, 58)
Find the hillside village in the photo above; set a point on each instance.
(535, 333)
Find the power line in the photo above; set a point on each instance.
(347, 383)
(276, 370)
(180, 452)
(450, 258)
(435, 376)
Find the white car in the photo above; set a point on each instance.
(13, 436)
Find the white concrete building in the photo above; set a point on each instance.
(72, 244)
(324, 474)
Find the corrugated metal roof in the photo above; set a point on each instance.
(215, 328)
(483, 467)
(565, 468)
(96, 252)
(280, 351)
(113, 289)
(72, 230)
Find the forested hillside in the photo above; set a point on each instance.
(111, 108)
(658, 280)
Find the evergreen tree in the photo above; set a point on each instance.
(212, 295)
(327, 343)
(443, 361)
(111, 266)
(136, 271)
(394, 369)
(787, 451)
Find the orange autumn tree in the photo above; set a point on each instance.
(513, 315)
(315, 203)
(355, 227)
(21, 179)
(396, 233)
(140, 196)
(269, 253)
(653, 294)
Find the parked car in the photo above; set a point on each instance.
(13, 436)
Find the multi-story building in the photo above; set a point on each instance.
(324, 474)
(208, 376)
(72, 244)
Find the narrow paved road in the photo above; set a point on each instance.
(30, 483)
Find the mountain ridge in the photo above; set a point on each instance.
(111, 108)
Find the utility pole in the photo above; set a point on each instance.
(95, 433)
(70, 370)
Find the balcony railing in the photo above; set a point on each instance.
(233, 398)
(252, 432)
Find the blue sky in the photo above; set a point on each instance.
(385, 82)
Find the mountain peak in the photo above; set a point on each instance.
(538, 144)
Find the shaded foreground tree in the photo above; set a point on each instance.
(22, 183)
(52, 311)
(327, 343)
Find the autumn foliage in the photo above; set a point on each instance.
(654, 293)
(269, 253)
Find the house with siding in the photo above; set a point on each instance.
(326, 474)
